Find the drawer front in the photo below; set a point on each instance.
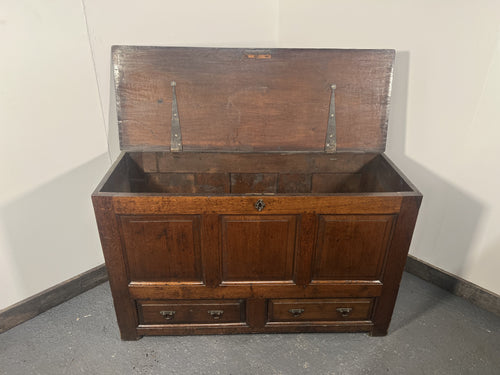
(195, 312)
(290, 310)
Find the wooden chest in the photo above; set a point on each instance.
(252, 193)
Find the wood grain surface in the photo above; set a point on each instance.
(229, 100)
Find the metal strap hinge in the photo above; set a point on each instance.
(331, 130)
(175, 133)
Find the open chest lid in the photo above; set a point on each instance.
(225, 99)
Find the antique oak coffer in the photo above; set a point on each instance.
(252, 193)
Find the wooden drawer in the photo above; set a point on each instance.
(287, 310)
(191, 311)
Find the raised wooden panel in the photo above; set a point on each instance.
(162, 248)
(258, 247)
(351, 247)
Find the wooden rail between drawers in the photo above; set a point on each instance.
(253, 290)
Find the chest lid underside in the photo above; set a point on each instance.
(224, 99)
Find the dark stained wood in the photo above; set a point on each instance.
(386, 177)
(285, 310)
(465, 289)
(149, 162)
(406, 185)
(294, 183)
(301, 246)
(212, 183)
(187, 183)
(256, 312)
(47, 299)
(227, 173)
(117, 177)
(234, 290)
(305, 253)
(211, 253)
(336, 183)
(195, 312)
(279, 205)
(109, 233)
(176, 183)
(183, 232)
(162, 247)
(253, 183)
(224, 162)
(228, 101)
(396, 259)
(351, 247)
(271, 327)
(258, 248)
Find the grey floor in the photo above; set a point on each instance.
(432, 332)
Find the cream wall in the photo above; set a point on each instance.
(443, 129)
(54, 105)
(52, 147)
(216, 23)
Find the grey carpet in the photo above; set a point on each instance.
(432, 332)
